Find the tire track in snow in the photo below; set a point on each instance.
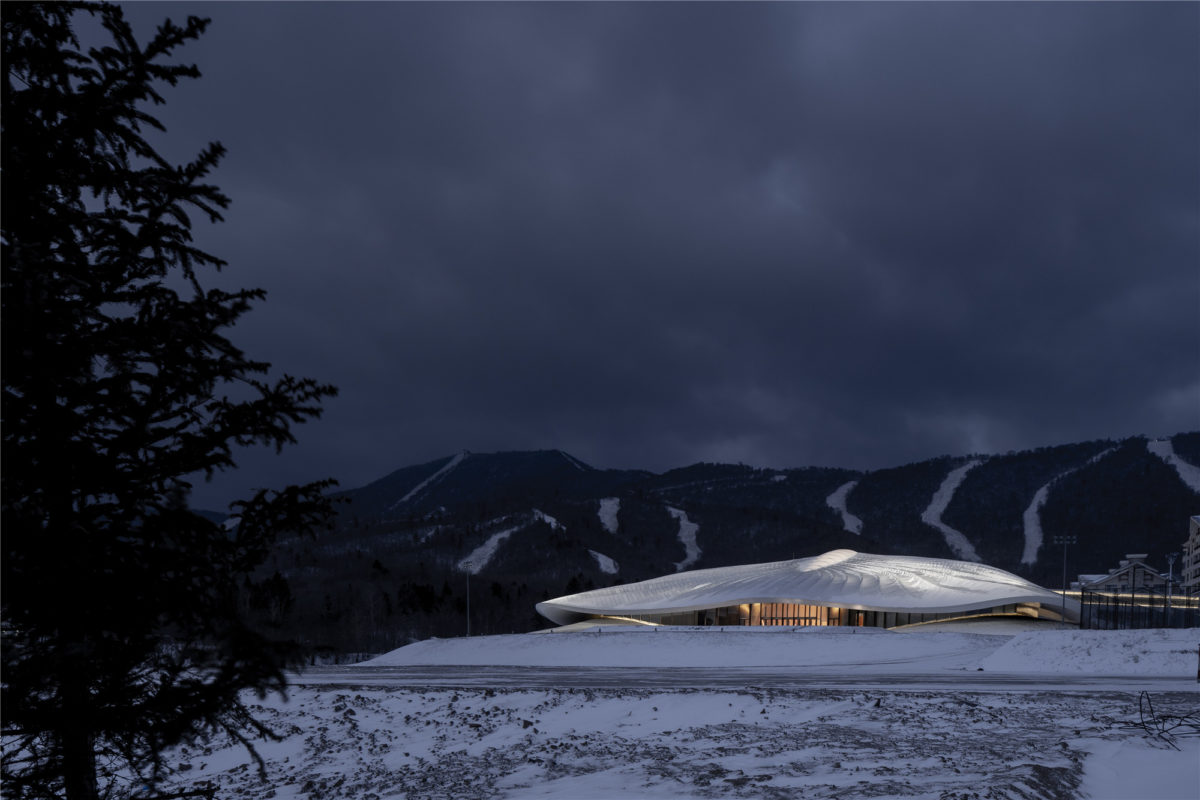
(1188, 473)
(687, 535)
(1032, 521)
(837, 501)
(932, 515)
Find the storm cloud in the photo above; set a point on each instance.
(651, 234)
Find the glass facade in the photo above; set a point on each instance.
(799, 614)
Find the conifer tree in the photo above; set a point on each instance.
(121, 632)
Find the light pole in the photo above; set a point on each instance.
(1170, 580)
(1064, 540)
(468, 565)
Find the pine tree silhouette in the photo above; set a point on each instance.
(121, 631)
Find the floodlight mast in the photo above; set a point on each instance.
(468, 565)
(1064, 540)
(1170, 582)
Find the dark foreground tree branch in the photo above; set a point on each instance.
(121, 631)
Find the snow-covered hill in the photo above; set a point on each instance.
(866, 651)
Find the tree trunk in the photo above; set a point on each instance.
(79, 765)
(77, 741)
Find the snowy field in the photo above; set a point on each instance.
(870, 651)
(804, 740)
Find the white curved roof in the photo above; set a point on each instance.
(839, 578)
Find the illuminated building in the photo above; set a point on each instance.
(841, 587)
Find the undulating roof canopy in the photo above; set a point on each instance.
(838, 579)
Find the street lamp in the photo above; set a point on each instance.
(1064, 540)
(1170, 580)
(468, 565)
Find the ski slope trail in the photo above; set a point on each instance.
(1188, 473)
(478, 559)
(687, 535)
(837, 501)
(574, 462)
(606, 564)
(1032, 518)
(932, 515)
(609, 506)
(437, 476)
(549, 520)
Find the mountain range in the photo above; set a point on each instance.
(519, 527)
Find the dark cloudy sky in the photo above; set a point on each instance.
(785, 234)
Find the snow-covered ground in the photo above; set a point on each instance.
(1157, 651)
(873, 648)
(867, 651)
(478, 741)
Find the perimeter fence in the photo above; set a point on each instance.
(1142, 608)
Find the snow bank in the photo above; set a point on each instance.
(1156, 652)
(873, 648)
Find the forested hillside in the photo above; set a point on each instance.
(526, 526)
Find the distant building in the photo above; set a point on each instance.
(1135, 595)
(1189, 574)
(1086, 580)
(1132, 574)
(841, 587)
